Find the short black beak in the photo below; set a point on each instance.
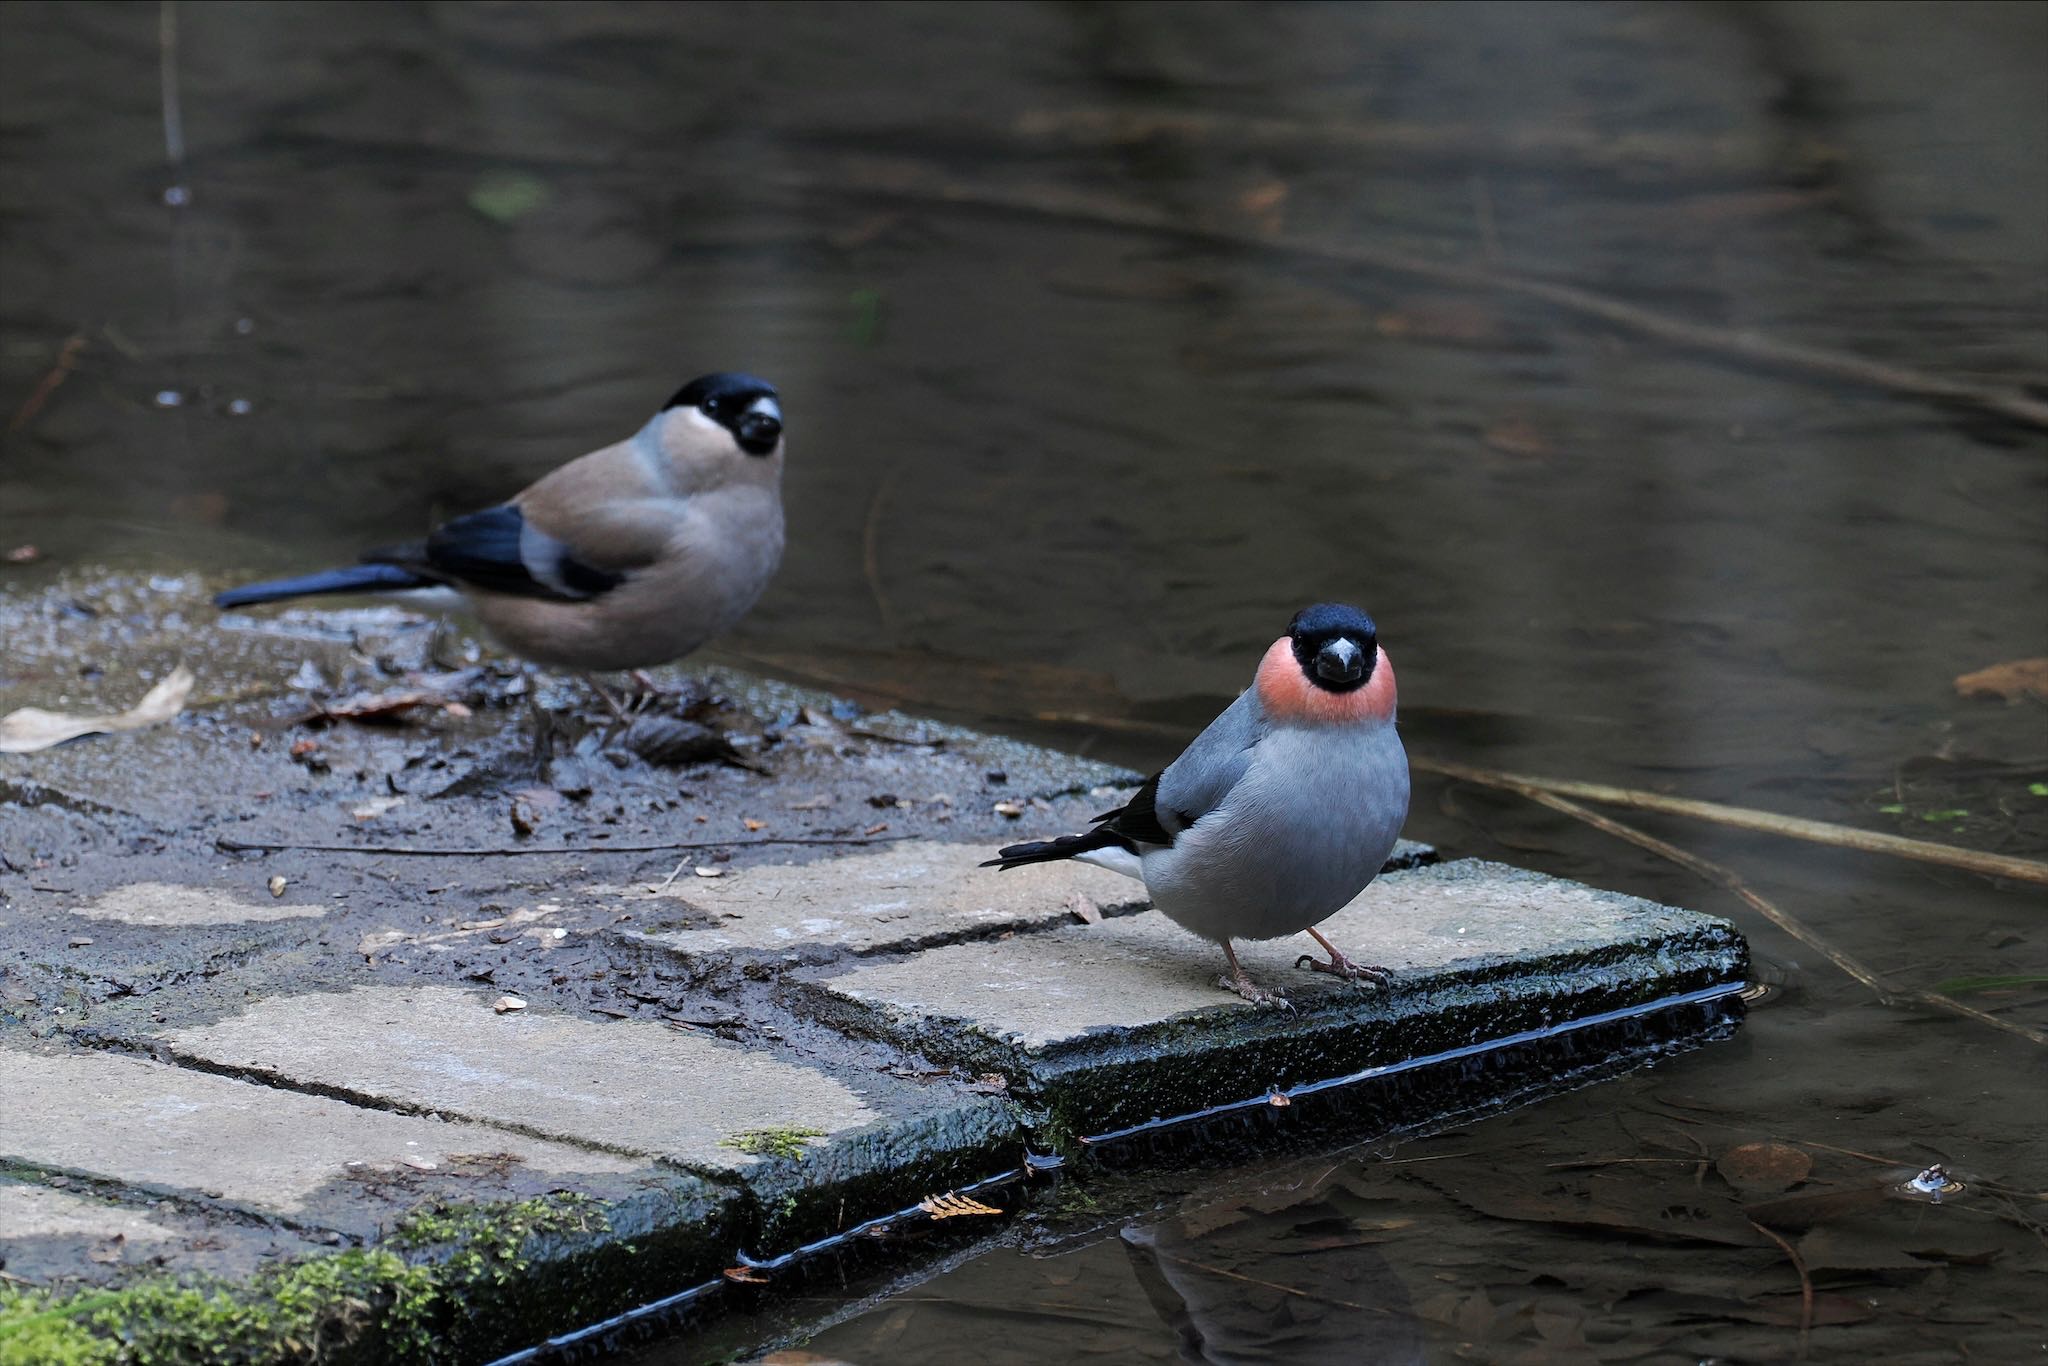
(1340, 661)
(757, 433)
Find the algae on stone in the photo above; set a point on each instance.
(783, 1142)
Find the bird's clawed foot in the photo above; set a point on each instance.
(1339, 966)
(1238, 984)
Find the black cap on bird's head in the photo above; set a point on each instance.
(747, 407)
(1335, 644)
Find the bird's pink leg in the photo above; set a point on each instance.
(653, 688)
(1243, 985)
(604, 694)
(1341, 966)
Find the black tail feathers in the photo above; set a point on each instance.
(357, 578)
(1049, 851)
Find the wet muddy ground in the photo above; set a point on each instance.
(1059, 471)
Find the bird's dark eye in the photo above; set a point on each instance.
(711, 407)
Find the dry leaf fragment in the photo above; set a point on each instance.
(1083, 908)
(818, 803)
(2012, 680)
(1517, 435)
(702, 871)
(420, 1164)
(746, 1275)
(277, 886)
(377, 707)
(375, 807)
(753, 824)
(32, 728)
(1010, 809)
(374, 943)
(950, 1206)
(505, 1005)
(79, 941)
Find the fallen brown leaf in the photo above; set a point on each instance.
(2012, 680)
(951, 1206)
(32, 728)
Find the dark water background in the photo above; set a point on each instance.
(1062, 474)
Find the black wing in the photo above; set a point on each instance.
(1134, 823)
(1139, 818)
(495, 549)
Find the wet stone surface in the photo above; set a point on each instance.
(1123, 1021)
(384, 925)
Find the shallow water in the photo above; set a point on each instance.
(1062, 473)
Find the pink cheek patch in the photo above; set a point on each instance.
(1287, 694)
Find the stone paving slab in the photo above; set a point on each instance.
(1123, 1021)
(899, 896)
(304, 1159)
(750, 1116)
(915, 894)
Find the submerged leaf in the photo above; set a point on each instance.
(1957, 986)
(2011, 680)
(1764, 1168)
(506, 196)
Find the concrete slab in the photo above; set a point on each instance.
(900, 896)
(174, 907)
(917, 894)
(779, 1127)
(1120, 1022)
(306, 1159)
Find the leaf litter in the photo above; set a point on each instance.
(32, 728)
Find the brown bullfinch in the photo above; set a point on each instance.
(628, 557)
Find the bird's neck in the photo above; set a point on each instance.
(1290, 698)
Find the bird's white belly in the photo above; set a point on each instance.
(1301, 834)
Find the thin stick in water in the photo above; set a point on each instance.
(1748, 818)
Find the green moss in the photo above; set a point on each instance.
(399, 1302)
(34, 1334)
(771, 1142)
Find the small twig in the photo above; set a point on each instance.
(1268, 1285)
(871, 551)
(1742, 345)
(235, 846)
(67, 361)
(674, 873)
(1747, 818)
(1805, 1283)
(1798, 929)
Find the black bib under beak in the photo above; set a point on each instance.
(757, 433)
(1340, 661)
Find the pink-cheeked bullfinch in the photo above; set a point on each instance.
(1280, 812)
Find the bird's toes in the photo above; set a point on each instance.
(1252, 993)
